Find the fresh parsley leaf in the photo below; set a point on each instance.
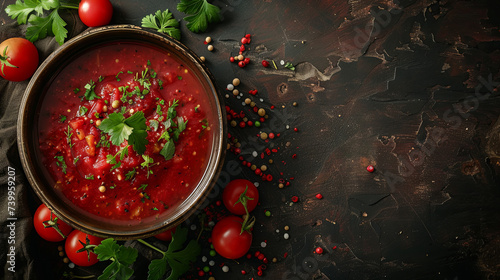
(62, 118)
(52, 25)
(89, 91)
(167, 24)
(89, 177)
(176, 257)
(132, 129)
(201, 13)
(168, 150)
(21, 10)
(122, 257)
(114, 125)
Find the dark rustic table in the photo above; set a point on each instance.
(409, 87)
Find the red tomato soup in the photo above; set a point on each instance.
(124, 131)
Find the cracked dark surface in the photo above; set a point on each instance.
(413, 93)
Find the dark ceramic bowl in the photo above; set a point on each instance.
(28, 134)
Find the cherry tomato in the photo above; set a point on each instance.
(166, 235)
(95, 12)
(79, 248)
(228, 240)
(18, 59)
(236, 189)
(46, 225)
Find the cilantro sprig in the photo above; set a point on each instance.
(41, 26)
(132, 129)
(200, 12)
(163, 22)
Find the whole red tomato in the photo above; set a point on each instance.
(18, 59)
(95, 13)
(79, 248)
(47, 225)
(166, 235)
(228, 240)
(236, 193)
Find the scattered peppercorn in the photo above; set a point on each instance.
(319, 196)
(370, 168)
(265, 63)
(319, 250)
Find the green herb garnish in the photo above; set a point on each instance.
(60, 162)
(132, 129)
(163, 22)
(121, 258)
(200, 14)
(89, 91)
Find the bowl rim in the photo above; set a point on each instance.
(215, 161)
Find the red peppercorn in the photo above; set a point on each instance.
(265, 63)
(319, 196)
(269, 177)
(242, 124)
(246, 60)
(201, 273)
(249, 123)
(271, 135)
(257, 253)
(231, 59)
(248, 36)
(319, 250)
(370, 168)
(249, 256)
(260, 257)
(259, 273)
(241, 64)
(295, 198)
(244, 40)
(243, 272)
(295, 129)
(258, 171)
(334, 247)
(242, 48)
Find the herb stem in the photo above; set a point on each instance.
(150, 246)
(68, 6)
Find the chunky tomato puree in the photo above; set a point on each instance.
(124, 131)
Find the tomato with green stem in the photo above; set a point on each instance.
(49, 226)
(231, 236)
(79, 248)
(18, 59)
(238, 194)
(95, 13)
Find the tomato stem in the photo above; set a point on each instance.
(52, 223)
(150, 246)
(4, 60)
(247, 221)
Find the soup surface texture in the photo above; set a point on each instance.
(124, 132)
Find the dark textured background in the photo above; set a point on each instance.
(388, 83)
